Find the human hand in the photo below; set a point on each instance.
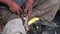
(28, 5)
(15, 8)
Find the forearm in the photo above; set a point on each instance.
(7, 2)
(29, 3)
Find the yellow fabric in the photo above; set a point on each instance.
(33, 20)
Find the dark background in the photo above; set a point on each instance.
(57, 21)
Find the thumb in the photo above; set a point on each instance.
(12, 10)
(20, 10)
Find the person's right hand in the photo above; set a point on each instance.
(15, 8)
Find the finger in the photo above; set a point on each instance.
(12, 10)
(25, 10)
(18, 12)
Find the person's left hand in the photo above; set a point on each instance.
(28, 5)
(27, 9)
